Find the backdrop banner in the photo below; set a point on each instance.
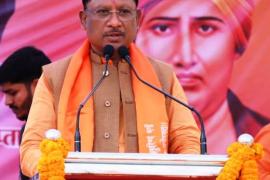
(219, 56)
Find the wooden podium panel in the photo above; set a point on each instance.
(134, 166)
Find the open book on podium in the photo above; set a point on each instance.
(134, 166)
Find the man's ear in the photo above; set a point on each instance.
(83, 16)
(33, 85)
(139, 18)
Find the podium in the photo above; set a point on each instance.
(137, 166)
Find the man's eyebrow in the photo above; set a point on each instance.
(7, 90)
(209, 18)
(164, 18)
(204, 18)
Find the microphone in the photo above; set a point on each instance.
(124, 54)
(108, 51)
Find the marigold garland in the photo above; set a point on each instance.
(51, 163)
(242, 162)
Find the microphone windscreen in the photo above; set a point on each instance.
(108, 51)
(123, 52)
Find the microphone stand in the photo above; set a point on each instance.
(77, 138)
(203, 144)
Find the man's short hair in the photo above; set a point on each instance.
(85, 2)
(24, 65)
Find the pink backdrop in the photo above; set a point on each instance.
(53, 26)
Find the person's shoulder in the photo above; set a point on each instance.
(242, 115)
(264, 129)
(61, 62)
(57, 68)
(164, 72)
(160, 64)
(263, 136)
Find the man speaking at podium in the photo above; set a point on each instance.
(123, 115)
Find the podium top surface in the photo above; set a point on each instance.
(140, 164)
(196, 159)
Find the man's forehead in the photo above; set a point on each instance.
(112, 3)
(8, 86)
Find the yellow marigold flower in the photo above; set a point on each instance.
(241, 161)
(51, 163)
(258, 148)
(250, 164)
(56, 178)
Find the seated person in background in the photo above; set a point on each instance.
(203, 39)
(124, 115)
(18, 79)
(263, 137)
